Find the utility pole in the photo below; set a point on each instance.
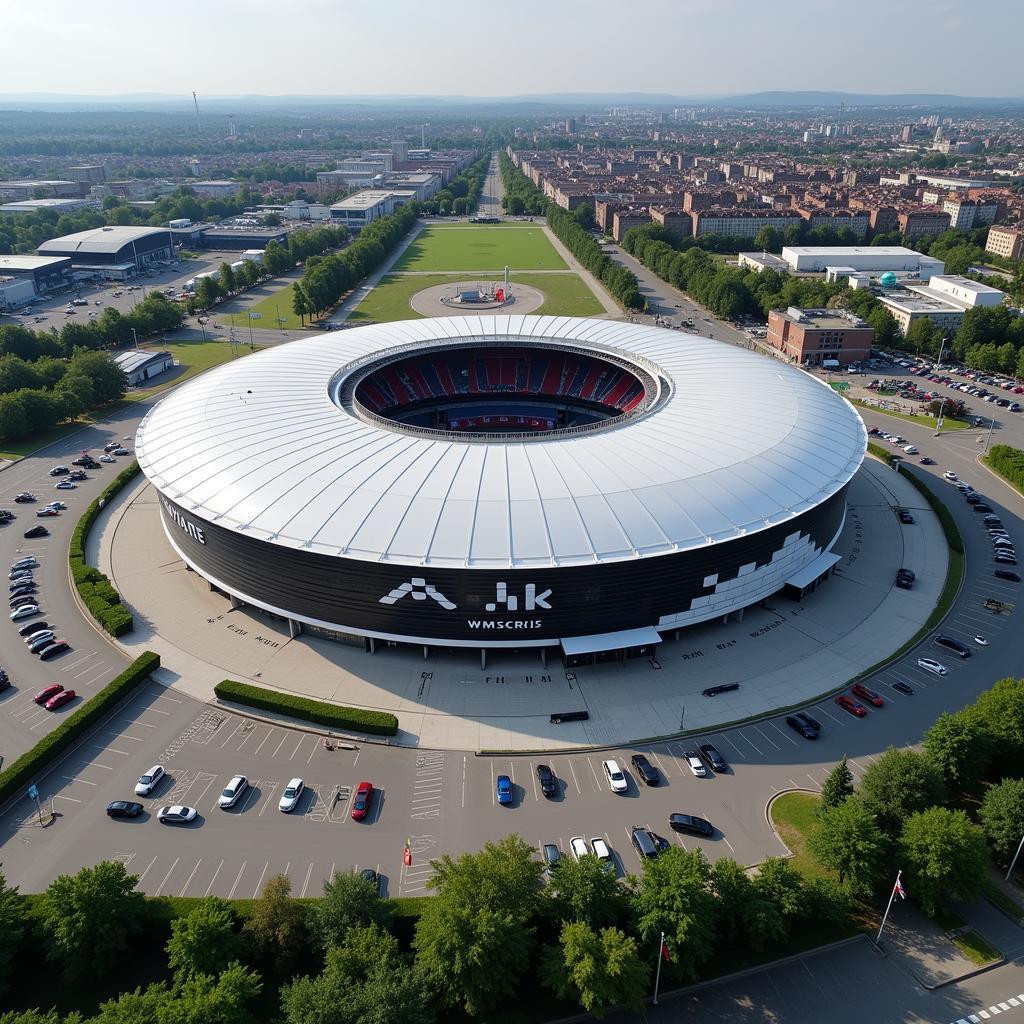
(1009, 870)
(136, 337)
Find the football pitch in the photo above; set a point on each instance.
(480, 247)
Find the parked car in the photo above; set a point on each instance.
(177, 814)
(903, 688)
(547, 780)
(29, 562)
(149, 780)
(866, 693)
(712, 758)
(695, 764)
(854, 707)
(362, 801)
(38, 641)
(691, 824)
(905, 517)
(552, 856)
(32, 627)
(644, 842)
(615, 777)
(801, 723)
(36, 531)
(578, 847)
(24, 612)
(64, 485)
(232, 792)
(290, 796)
(47, 692)
(124, 809)
(1007, 574)
(59, 471)
(58, 700)
(953, 645)
(24, 497)
(933, 666)
(46, 513)
(58, 647)
(503, 786)
(647, 772)
(600, 850)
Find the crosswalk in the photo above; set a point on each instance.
(992, 1011)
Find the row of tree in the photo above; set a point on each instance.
(938, 813)
(326, 278)
(461, 195)
(521, 197)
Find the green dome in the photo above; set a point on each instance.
(888, 279)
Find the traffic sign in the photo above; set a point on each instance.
(33, 792)
(255, 316)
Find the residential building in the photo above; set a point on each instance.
(923, 221)
(623, 220)
(741, 221)
(819, 337)
(965, 214)
(220, 188)
(1005, 241)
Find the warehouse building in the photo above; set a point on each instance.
(871, 259)
(112, 252)
(49, 205)
(47, 273)
(141, 365)
(15, 292)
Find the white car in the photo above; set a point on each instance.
(290, 796)
(64, 485)
(615, 777)
(25, 563)
(232, 791)
(148, 782)
(695, 764)
(24, 612)
(950, 476)
(980, 640)
(578, 846)
(910, 449)
(931, 665)
(602, 853)
(176, 815)
(107, 458)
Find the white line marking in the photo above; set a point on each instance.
(306, 882)
(214, 879)
(160, 887)
(264, 740)
(238, 878)
(256, 891)
(142, 877)
(190, 877)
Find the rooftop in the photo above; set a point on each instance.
(29, 262)
(108, 239)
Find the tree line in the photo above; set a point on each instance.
(461, 195)
(326, 278)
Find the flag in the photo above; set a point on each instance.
(664, 950)
(898, 889)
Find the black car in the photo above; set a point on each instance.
(83, 460)
(803, 724)
(907, 574)
(24, 498)
(124, 809)
(371, 876)
(53, 650)
(904, 583)
(547, 780)
(982, 507)
(647, 772)
(712, 758)
(953, 645)
(1007, 574)
(714, 691)
(37, 531)
(973, 499)
(903, 688)
(78, 475)
(906, 517)
(690, 823)
(33, 627)
(21, 582)
(645, 843)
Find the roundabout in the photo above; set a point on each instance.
(438, 300)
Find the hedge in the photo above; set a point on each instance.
(378, 723)
(1008, 462)
(94, 588)
(949, 527)
(23, 770)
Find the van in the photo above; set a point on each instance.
(644, 843)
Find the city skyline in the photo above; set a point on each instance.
(673, 47)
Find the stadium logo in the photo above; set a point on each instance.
(188, 527)
(419, 589)
(533, 599)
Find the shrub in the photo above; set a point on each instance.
(23, 770)
(1008, 462)
(378, 723)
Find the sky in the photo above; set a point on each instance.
(344, 48)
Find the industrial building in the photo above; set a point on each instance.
(112, 252)
(944, 300)
(143, 364)
(15, 292)
(48, 204)
(871, 259)
(47, 273)
(570, 485)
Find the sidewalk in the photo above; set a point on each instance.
(612, 308)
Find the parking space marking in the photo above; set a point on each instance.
(828, 714)
(96, 673)
(766, 737)
(281, 744)
(74, 778)
(256, 891)
(270, 795)
(228, 738)
(270, 732)
(238, 878)
(74, 664)
(746, 738)
(597, 781)
(309, 873)
(142, 877)
(661, 766)
(789, 739)
(160, 887)
(214, 879)
(249, 729)
(725, 739)
(190, 877)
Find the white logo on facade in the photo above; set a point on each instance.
(189, 527)
(511, 602)
(420, 590)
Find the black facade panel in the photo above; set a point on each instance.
(452, 604)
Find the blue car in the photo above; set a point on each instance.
(504, 785)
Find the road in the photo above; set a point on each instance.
(489, 203)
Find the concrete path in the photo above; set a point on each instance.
(612, 308)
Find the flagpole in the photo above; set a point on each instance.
(892, 896)
(657, 974)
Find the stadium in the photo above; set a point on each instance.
(504, 482)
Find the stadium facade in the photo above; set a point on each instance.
(505, 481)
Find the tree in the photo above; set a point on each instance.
(744, 914)
(849, 841)
(300, 303)
(1000, 709)
(782, 885)
(207, 292)
(108, 379)
(272, 220)
(768, 239)
(838, 786)
(674, 896)
(900, 783)
(205, 940)
(207, 1000)
(277, 923)
(585, 890)
(348, 902)
(1002, 817)
(226, 280)
(960, 746)
(12, 928)
(598, 969)
(946, 857)
(90, 918)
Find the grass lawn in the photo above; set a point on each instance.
(480, 247)
(565, 295)
(793, 815)
(976, 948)
(948, 423)
(273, 306)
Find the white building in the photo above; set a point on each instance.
(873, 259)
(142, 364)
(15, 292)
(50, 204)
(355, 212)
(215, 188)
(944, 301)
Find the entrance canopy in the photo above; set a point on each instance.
(597, 642)
(809, 573)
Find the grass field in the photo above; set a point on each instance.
(948, 423)
(564, 295)
(273, 306)
(481, 247)
(793, 815)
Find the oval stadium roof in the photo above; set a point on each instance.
(741, 442)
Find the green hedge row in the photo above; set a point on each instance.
(96, 591)
(1008, 462)
(880, 453)
(949, 527)
(25, 769)
(378, 723)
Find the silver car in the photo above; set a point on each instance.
(149, 781)
(232, 791)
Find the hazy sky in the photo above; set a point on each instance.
(341, 47)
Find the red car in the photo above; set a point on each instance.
(855, 707)
(866, 693)
(47, 692)
(60, 699)
(361, 804)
